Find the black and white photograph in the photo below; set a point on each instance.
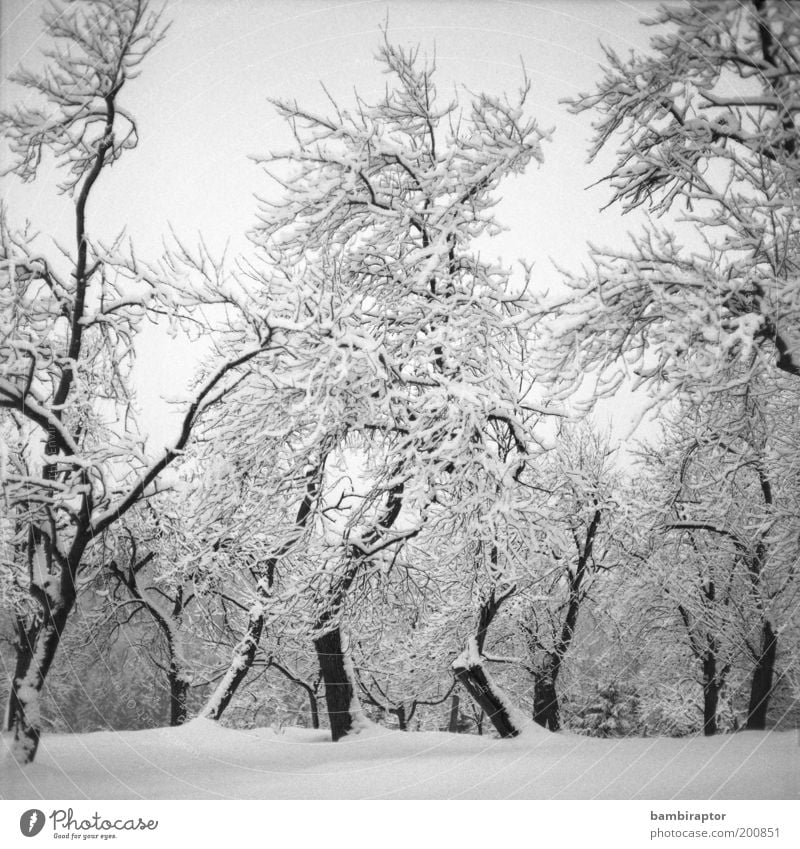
(397, 402)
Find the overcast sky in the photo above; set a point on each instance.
(202, 107)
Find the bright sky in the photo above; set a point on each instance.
(202, 109)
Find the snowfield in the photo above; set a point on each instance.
(202, 760)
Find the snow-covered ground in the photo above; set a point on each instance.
(202, 760)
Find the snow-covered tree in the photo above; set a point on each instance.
(381, 205)
(69, 319)
(268, 519)
(704, 301)
(578, 545)
(135, 588)
(705, 129)
(739, 469)
(720, 515)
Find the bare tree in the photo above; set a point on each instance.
(581, 542)
(705, 129)
(68, 326)
(381, 208)
(727, 165)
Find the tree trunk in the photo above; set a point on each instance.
(244, 654)
(312, 700)
(338, 686)
(711, 689)
(26, 721)
(23, 646)
(762, 680)
(178, 692)
(468, 669)
(453, 723)
(243, 657)
(56, 599)
(545, 697)
(706, 650)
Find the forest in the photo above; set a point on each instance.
(389, 498)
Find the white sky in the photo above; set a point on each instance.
(202, 108)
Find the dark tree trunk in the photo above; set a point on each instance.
(545, 677)
(312, 701)
(243, 657)
(176, 680)
(23, 646)
(711, 687)
(486, 695)
(338, 686)
(44, 637)
(400, 713)
(178, 693)
(28, 692)
(706, 650)
(468, 667)
(545, 697)
(762, 680)
(453, 723)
